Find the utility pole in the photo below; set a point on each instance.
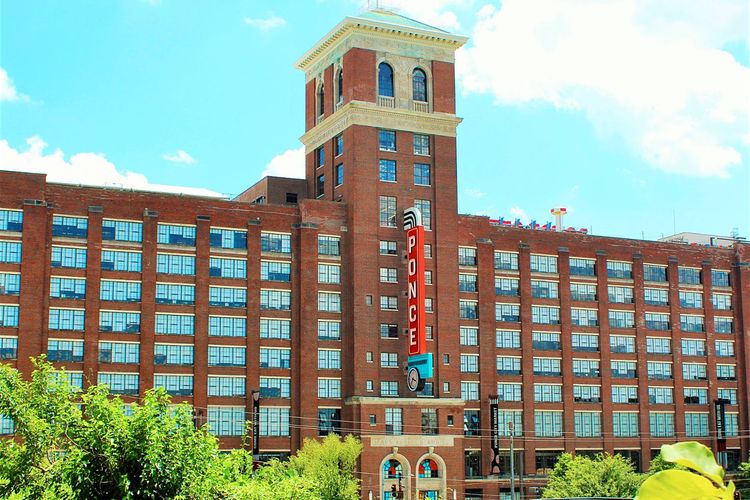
(512, 465)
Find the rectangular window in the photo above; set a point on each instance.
(547, 393)
(122, 230)
(339, 174)
(506, 261)
(173, 293)
(692, 347)
(329, 302)
(329, 359)
(388, 389)
(388, 248)
(544, 289)
(467, 256)
(696, 424)
(726, 372)
(503, 418)
(694, 371)
(226, 420)
(724, 348)
(388, 275)
(691, 323)
(467, 282)
(10, 252)
(582, 292)
(721, 301)
(329, 330)
(732, 425)
(271, 328)
(469, 363)
(172, 234)
(71, 257)
(120, 291)
(507, 339)
(120, 383)
(661, 424)
(227, 268)
(421, 145)
(625, 394)
(425, 207)
(506, 286)
(508, 313)
(621, 343)
(227, 326)
(388, 303)
(422, 174)
(509, 392)
(691, 300)
(329, 421)
(548, 423)
(695, 396)
(620, 294)
(728, 394)
(470, 391)
(621, 319)
(275, 243)
(329, 245)
(228, 356)
(619, 270)
(393, 422)
(329, 388)
(429, 421)
(547, 367)
(660, 395)
(387, 170)
(584, 342)
(119, 260)
(582, 267)
(624, 424)
(175, 385)
(226, 296)
(275, 300)
(59, 319)
(173, 354)
(508, 365)
(469, 336)
(658, 345)
(720, 278)
(224, 386)
(543, 264)
(656, 296)
(657, 321)
(121, 322)
(659, 370)
(655, 273)
(119, 352)
(8, 347)
(623, 369)
(689, 276)
(67, 350)
(387, 140)
(389, 360)
(546, 341)
(586, 368)
(588, 424)
(275, 271)
(70, 227)
(320, 184)
(274, 358)
(228, 238)
(320, 156)
(723, 325)
(175, 324)
(11, 220)
(388, 331)
(67, 288)
(338, 145)
(584, 317)
(175, 264)
(274, 421)
(388, 211)
(545, 315)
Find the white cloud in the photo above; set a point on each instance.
(651, 73)
(438, 13)
(91, 169)
(517, 212)
(8, 91)
(290, 163)
(179, 156)
(267, 24)
(474, 193)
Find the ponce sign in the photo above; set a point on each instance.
(415, 280)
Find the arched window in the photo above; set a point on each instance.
(340, 85)
(392, 469)
(428, 469)
(419, 85)
(385, 80)
(321, 100)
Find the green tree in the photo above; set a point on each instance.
(602, 476)
(743, 479)
(83, 446)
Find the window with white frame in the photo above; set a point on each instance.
(274, 421)
(388, 389)
(226, 420)
(544, 289)
(219, 267)
(625, 394)
(119, 383)
(584, 342)
(119, 352)
(721, 301)
(586, 368)
(175, 324)
(726, 372)
(587, 423)
(173, 354)
(582, 267)
(469, 336)
(275, 300)
(506, 261)
(227, 326)
(59, 350)
(467, 256)
(227, 386)
(227, 296)
(329, 359)
(173, 234)
(329, 302)
(693, 347)
(621, 319)
(695, 395)
(227, 238)
(388, 211)
(543, 264)
(120, 291)
(469, 363)
(720, 278)
(661, 424)
(274, 357)
(388, 360)
(723, 324)
(619, 270)
(113, 260)
(389, 303)
(655, 272)
(508, 313)
(624, 424)
(122, 230)
(690, 323)
(175, 385)
(728, 394)
(543, 315)
(329, 388)
(9, 348)
(656, 296)
(169, 263)
(329, 274)
(584, 317)
(548, 423)
(12, 220)
(548, 393)
(275, 242)
(75, 258)
(227, 356)
(509, 392)
(620, 294)
(173, 293)
(388, 275)
(59, 319)
(691, 300)
(329, 330)
(507, 339)
(393, 421)
(689, 275)
(621, 343)
(508, 365)
(659, 370)
(274, 270)
(623, 369)
(587, 393)
(583, 292)
(660, 395)
(694, 371)
(696, 424)
(467, 282)
(470, 391)
(61, 287)
(329, 245)
(724, 348)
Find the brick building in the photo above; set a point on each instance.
(296, 289)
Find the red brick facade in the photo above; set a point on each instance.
(350, 213)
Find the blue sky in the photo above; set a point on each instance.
(632, 114)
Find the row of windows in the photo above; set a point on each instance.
(387, 172)
(388, 212)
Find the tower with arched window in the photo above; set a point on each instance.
(381, 139)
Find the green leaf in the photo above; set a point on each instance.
(695, 456)
(683, 485)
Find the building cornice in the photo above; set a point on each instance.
(370, 115)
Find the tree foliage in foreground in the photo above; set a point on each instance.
(611, 476)
(73, 445)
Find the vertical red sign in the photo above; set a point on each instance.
(415, 303)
